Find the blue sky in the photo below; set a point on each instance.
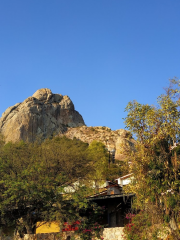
(101, 53)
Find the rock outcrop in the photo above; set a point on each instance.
(120, 140)
(43, 115)
(46, 114)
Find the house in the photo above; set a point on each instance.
(116, 202)
(110, 195)
(124, 180)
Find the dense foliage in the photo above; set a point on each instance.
(51, 180)
(156, 161)
(90, 227)
(140, 226)
(99, 156)
(33, 178)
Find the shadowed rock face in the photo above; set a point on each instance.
(43, 115)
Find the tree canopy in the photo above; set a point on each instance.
(50, 180)
(33, 178)
(156, 160)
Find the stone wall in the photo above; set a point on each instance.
(108, 234)
(113, 233)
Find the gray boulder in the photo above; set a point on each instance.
(41, 115)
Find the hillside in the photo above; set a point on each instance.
(45, 114)
(120, 140)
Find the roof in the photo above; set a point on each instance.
(125, 176)
(111, 189)
(99, 197)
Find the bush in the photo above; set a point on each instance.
(140, 227)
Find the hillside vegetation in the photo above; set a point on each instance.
(155, 165)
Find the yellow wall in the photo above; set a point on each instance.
(42, 227)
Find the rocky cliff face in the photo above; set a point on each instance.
(120, 140)
(43, 115)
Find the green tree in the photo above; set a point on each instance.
(102, 170)
(33, 178)
(156, 161)
(98, 155)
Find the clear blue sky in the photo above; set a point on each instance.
(101, 53)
